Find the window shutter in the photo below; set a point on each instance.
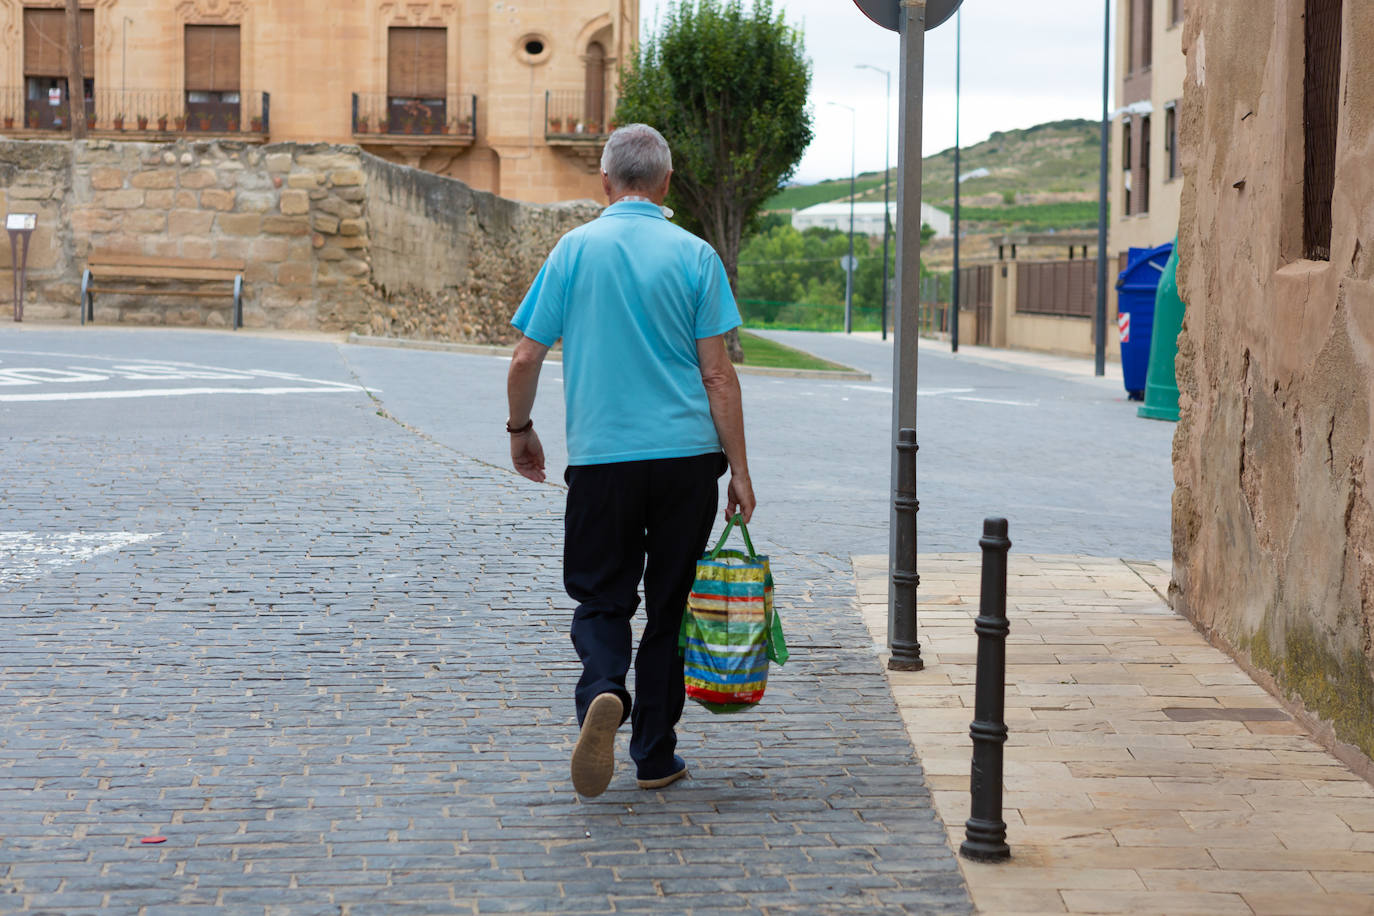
(200, 57)
(417, 63)
(431, 63)
(212, 58)
(400, 62)
(226, 67)
(45, 42)
(87, 44)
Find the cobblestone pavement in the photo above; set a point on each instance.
(325, 657)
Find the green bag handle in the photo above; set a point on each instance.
(738, 519)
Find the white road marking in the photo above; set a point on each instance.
(27, 554)
(1000, 401)
(173, 392)
(920, 392)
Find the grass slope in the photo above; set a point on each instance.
(1040, 178)
(759, 351)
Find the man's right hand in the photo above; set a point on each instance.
(739, 497)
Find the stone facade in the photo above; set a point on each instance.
(334, 238)
(1273, 457)
(316, 64)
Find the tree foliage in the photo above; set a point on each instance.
(727, 87)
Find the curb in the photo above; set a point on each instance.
(847, 375)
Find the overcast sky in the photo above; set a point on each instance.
(1023, 63)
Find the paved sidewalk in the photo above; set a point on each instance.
(1145, 771)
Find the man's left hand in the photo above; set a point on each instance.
(527, 454)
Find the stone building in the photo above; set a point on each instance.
(1273, 457)
(1146, 175)
(511, 98)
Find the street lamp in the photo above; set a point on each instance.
(887, 178)
(849, 263)
(958, 71)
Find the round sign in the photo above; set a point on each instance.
(888, 13)
(849, 262)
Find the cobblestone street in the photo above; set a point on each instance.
(325, 656)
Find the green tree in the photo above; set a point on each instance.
(727, 87)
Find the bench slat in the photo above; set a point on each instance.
(148, 291)
(115, 258)
(162, 273)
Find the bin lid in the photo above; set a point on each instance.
(1144, 266)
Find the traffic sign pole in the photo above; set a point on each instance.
(911, 18)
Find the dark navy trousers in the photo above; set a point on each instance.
(625, 521)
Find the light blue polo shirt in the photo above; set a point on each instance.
(630, 294)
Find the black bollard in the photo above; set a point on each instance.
(985, 832)
(906, 650)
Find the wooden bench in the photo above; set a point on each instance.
(104, 266)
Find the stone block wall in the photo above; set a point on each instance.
(451, 263)
(333, 238)
(1274, 454)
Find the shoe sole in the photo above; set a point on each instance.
(593, 759)
(662, 780)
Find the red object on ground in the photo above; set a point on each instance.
(153, 839)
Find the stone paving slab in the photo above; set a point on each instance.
(335, 675)
(1145, 771)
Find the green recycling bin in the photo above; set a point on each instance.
(1161, 387)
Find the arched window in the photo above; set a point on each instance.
(594, 97)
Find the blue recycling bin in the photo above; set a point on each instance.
(1135, 309)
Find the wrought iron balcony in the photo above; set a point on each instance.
(572, 116)
(139, 114)
(386, 119)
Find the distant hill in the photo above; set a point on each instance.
(1040, 178)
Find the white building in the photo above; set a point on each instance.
(868, 218)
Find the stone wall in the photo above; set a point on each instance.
(333, 238)
(1273, 457)
(452, 263)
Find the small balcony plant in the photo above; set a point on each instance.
(162, 122)
(32, 120)
(233, 123)
(555, 125)
(465, 125)
(9, 121)
(383, 125)
(180, 122)
(119, 121)
(362, 125)
(204, 121)
(255, 124)
(142, 122)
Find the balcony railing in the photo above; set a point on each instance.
(389, 118)
(572, 116)
(138, 114)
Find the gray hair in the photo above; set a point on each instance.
(636, 158)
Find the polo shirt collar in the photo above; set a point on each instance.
(641, 207)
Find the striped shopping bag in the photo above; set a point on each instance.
(730, 631)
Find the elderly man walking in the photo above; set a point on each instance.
(652, 402)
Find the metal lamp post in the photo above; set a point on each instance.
(849, 263)
(958, 72)
(887, 179)
(1100, 330)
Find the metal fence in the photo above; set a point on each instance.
(1064, 288)
(141, 113)
(379, 113)
(567, 117)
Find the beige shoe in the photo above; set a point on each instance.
(593, 759)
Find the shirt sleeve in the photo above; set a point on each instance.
(540, 315)
(716, 308)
